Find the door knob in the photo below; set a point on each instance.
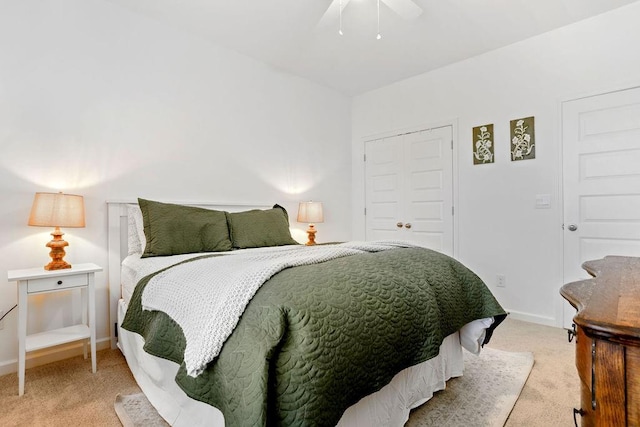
(399, 225)
(408, 225)
(572, 227)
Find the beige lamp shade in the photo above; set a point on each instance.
(310, 212)
(57, 210)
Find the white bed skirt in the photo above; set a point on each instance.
(389, 406)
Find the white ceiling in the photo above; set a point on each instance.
(286, 33)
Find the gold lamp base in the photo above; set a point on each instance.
(311, 232)
(57, 252)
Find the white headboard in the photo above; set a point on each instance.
(118, 238)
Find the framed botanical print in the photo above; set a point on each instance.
(523, 140)
(483, 145)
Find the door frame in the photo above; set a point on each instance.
(359, 206)
(603, 90)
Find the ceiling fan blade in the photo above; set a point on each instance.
(407, 9)
(330, 17)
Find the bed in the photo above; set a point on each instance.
(282, 362)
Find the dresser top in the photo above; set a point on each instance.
(609, 304)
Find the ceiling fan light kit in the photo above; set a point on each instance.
(340, 17)
(378, 37)
(407, 9)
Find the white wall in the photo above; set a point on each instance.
(499, 231)
(95, 100)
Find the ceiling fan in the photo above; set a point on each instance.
(407, 9)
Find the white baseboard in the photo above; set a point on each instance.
(533, 318)
(53, 354)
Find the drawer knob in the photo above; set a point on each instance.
(59, 282)
(571, 333)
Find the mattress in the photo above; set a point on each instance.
(389, 406)
(135, 268)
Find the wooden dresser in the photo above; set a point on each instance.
(608, 341)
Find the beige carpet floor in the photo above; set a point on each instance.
(67, 393)
(553, 387)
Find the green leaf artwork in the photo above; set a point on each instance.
(523, 144)
(483, 144)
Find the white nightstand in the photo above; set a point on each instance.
(38, 280)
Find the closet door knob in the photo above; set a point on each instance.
(407, 225)
(399, 225)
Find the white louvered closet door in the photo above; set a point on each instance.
(409, 188)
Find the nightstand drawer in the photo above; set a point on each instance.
(56, 283)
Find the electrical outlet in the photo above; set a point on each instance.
(1, 321)
(501, 281)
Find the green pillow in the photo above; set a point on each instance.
(176, 229)
(257, 228)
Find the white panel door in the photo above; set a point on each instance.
(601, 178)
(409, 188)
(384, 193)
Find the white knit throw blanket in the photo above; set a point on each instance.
(206, 297)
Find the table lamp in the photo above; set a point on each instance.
(57, 210)
(310, 212)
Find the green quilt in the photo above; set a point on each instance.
(315, 339)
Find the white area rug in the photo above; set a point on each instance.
(484, 396)
(134, 410)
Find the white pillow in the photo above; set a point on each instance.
(473, 333)
(136, 239)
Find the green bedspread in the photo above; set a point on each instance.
(315, 339)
